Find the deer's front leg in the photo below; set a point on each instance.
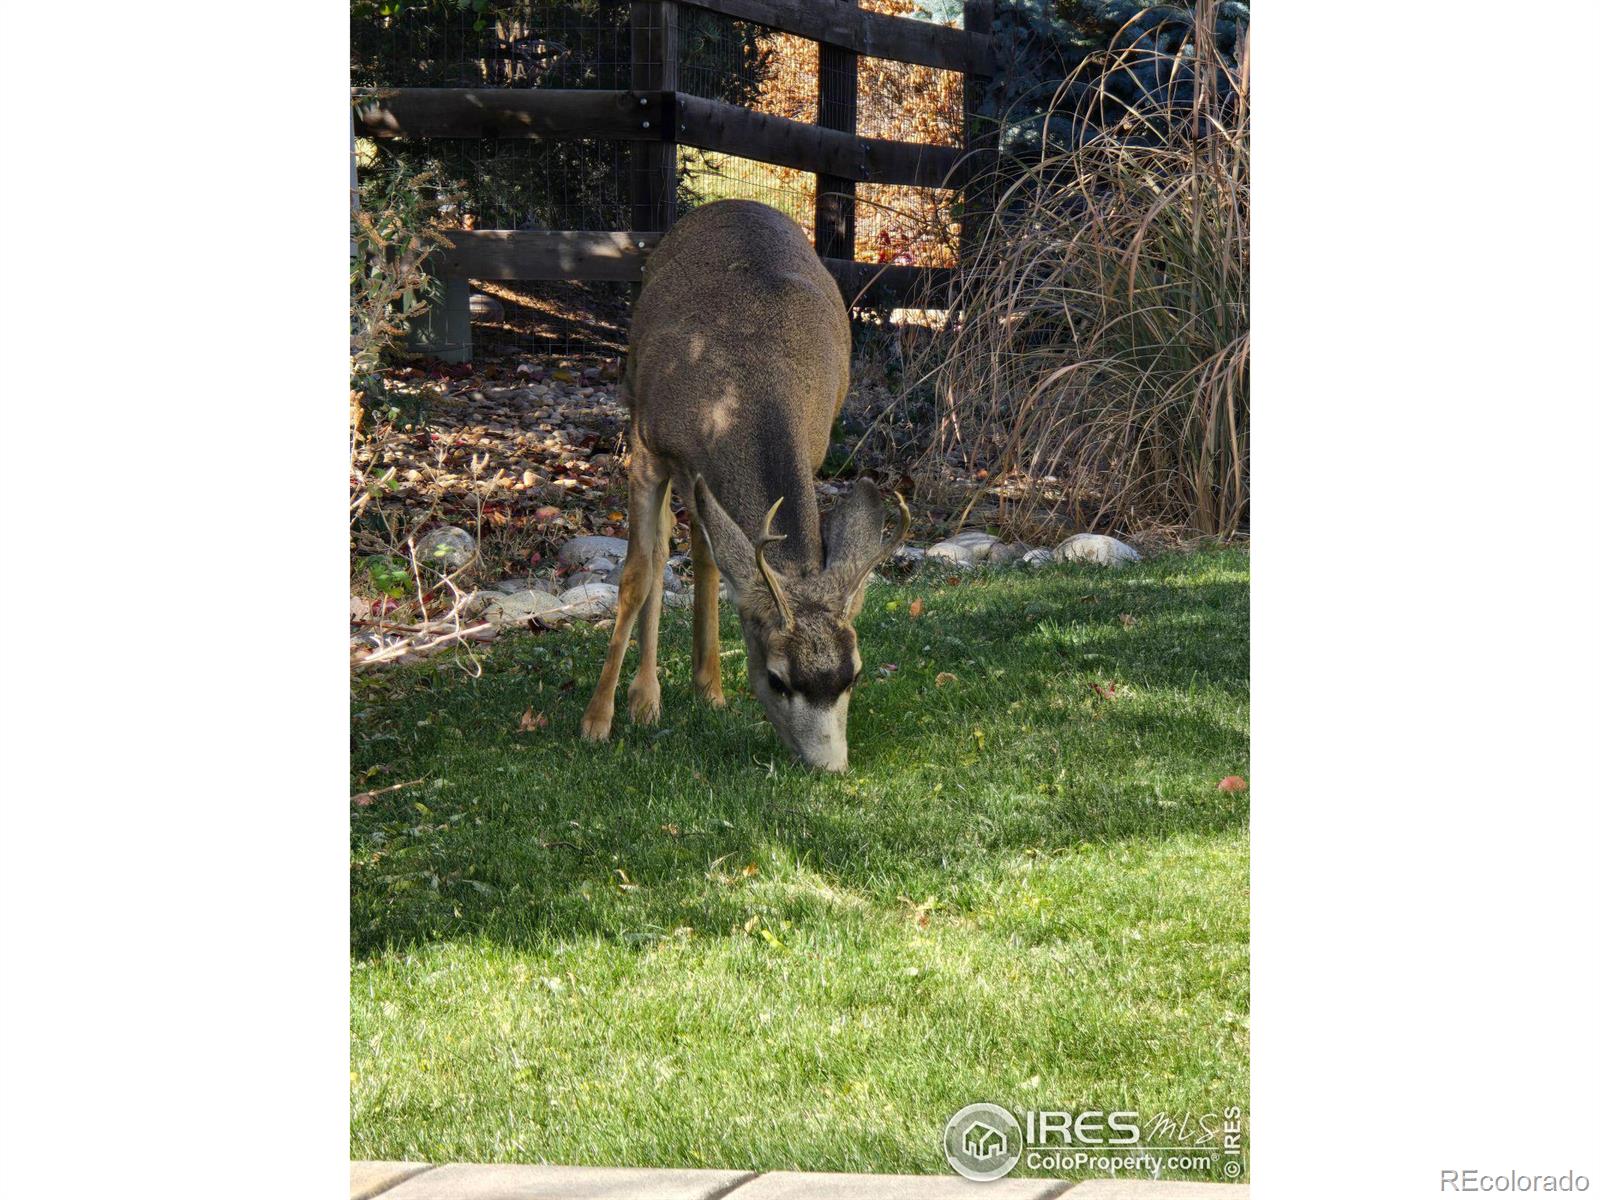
(644, 694)
(707, 660)
(646, 497)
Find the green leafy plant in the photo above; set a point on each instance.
(389, 574)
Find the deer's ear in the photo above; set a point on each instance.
(852, 533)
(853, 541)
(735, 557)
(852, 538)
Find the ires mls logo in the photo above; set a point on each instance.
(984, 1141)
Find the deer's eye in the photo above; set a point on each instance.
(777, 684)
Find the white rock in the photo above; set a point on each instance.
(579, 578)
(1004, 552)
(970, 546)
(678, 599)
(951, 552)
(976, 539)
(669, 578)
(908, 556)
(523, 583)
(1095, 548)
(516, 608)
(589, 600)
(580, 551)
(1038, 558)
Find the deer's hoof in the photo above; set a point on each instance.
(596, 726)
(644, 704)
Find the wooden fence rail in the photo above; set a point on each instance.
(510, 254)
(655, 117)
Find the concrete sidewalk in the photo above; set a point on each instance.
(469, 1181)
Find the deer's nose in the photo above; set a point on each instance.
(829, 760)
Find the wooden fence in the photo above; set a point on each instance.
(655, 117)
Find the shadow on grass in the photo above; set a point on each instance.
(1085, 708)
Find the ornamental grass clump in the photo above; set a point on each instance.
(1099, 368)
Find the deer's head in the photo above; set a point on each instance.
(799, 630)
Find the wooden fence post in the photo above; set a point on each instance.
(980, 138)
(836, 109)
(653, 38)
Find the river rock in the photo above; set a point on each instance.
(445, 549)
(522, 583)
(581, 551)
(589, 600)
(974, 546)
(1095, 548)
(669, 578)
(516, 608)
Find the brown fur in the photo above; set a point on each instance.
(738, 362)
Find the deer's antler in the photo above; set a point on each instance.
(767, 538)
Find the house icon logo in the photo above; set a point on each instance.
(982, 1142)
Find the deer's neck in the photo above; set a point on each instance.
(800, 553)
(748, 486)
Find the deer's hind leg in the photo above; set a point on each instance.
(647, 494)
(707, 661)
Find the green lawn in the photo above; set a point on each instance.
(682, 950)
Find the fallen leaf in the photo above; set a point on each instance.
(1129, 620)
(670, 829)
(1109, 692)
(916, 608)
(532, 722)
(943, 677)
(613, 516)
(363, 799)
(1232, 784)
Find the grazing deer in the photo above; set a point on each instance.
(737, 365)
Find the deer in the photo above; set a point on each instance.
(738, 363)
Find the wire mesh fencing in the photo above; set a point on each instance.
(591, 184)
